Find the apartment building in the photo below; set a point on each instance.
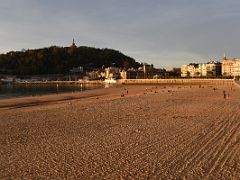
(210, 69)
(231, 67)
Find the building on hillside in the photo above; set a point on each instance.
(140, 74)
(161, 71)
(76, 73)
(231, 67)
(94, 75)
(148, 71)
(76, 70)
(112, 72)
(129, 74)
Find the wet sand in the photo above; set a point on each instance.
(152, 132)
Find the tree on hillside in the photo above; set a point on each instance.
(59, 60)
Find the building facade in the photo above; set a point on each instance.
(191, 70)
(231, 67)
(213, 69)
(129, 74)
(112, 72)
(148, 71)
(210, 69)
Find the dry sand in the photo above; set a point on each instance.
(178, 132)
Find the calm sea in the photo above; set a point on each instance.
(13, 91)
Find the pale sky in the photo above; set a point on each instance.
(166, 33)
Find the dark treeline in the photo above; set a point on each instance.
(59, 60)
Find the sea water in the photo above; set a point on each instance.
(13, 91)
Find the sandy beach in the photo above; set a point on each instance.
(155, 132)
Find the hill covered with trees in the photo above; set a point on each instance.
(59, 60)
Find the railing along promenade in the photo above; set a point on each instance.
(178, 81)
(59, 82)
(141, 82)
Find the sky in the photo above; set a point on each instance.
(166, 33)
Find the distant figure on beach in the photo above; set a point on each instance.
(224, 95)
(127, 91)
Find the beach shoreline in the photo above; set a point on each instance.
(64, 96)
(125, 131)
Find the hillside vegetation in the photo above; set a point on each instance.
(59, 60)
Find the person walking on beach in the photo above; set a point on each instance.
(224, 95)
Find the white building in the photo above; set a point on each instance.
(231, 67)
(210, 69)
(191, 70)
(112, 72)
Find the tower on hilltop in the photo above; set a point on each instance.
(72, 49)
(73, 43)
